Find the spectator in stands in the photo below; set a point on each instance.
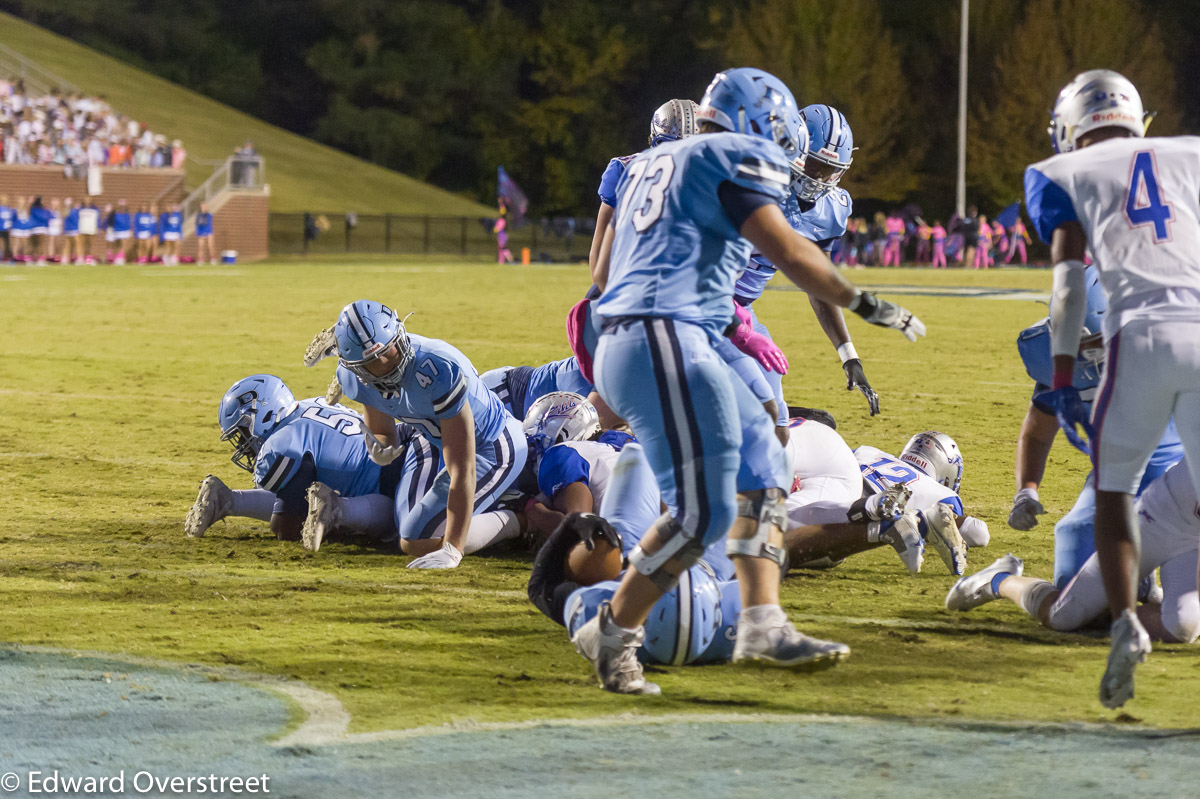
(178, 154)
(170, 231)
(120, 229)
(145, 225)
(89, 225)
(204, 235)
(6, 218)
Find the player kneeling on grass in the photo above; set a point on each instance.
(844, 502)
(1170, 527)
(430, 384)
(297, 451)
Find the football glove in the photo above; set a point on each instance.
(1070, 412)
(1025, 510)
(379, 452)
(755, 344)
(448, 557)
(587, 527)
(887, 314)
(856, 378)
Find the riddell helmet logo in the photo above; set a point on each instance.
(372, 350)
(1113, 116)
(920, 463)
(828, 153)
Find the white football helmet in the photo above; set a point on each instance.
(936, 455)
(674, 119)
(1098, 98)
(557, 417)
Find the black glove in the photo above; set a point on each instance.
(587, 526)
(857, 378)
(888, 314)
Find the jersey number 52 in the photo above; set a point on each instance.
(648, 182)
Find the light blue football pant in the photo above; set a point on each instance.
(704, 434)
(425, 487)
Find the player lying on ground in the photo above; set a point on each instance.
(675, 248)
(289, 446)
(1170, 529)
(1134, 205)
(1073, 533)
(844, 502)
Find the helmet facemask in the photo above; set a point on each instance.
(815, 176)
(393, 380)
(245, 445)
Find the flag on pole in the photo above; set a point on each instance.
(1008, 217)
(511, 198)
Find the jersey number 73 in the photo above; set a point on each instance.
(647, 191)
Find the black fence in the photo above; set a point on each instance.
(548, 240)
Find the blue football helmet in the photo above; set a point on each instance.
(367, 330)
(830, 152)
(558, 417)
(748, 100)
(252, 408)
(674, 120)
(683, 624)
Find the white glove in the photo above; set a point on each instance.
(377, 451)
(448, 557)
(1025, 510)
(887, 314)
(323, 345)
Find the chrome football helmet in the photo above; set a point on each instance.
(748, 100)
(366, 331)
(936, 455)
(830, 152)
(674, 119)
(250, 410)
(1098, 98)
(557, 417)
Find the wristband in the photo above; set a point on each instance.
(864, 304)
(847, 352)
(1063, 378)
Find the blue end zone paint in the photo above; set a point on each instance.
(968, 292)
(86, 716)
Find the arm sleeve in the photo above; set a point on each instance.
(548, 587)
(1068, 307)
(1048, 204)
(290, 495)
(449, 389)
(739, 202)
(561, 466)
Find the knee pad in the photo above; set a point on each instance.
(677, 545)
(767, 509)
(1184, 626)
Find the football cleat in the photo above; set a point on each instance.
(1130, 646)
(612, 652)
(778, 643)
(976, 589)
(323, 345)
(211, 506)
(333, 394)
(904, 534)
(324, 514)
(888, 504)
(941, 532)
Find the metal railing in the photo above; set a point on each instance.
(236, 173)
(548, 240)
(38, 79)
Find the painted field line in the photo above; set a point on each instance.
(192, 273)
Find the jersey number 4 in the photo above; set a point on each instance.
(1144, 204)
(647, 191)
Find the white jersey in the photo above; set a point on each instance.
(1138, 201)
(587, 462)
(880, 470)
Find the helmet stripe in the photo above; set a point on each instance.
(835, 130)
(356, 322)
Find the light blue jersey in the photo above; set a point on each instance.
(676, 251)
(518, 387)
(822, 223)
(438, 382)
(325, 437)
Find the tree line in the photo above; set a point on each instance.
(446, 91)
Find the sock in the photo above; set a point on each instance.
(371, 515)
(999, 578)
(490, 528)
(256, 503)
(1033, 595)
(762, 614)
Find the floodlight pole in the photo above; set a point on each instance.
(960, 205)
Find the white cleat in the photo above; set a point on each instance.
(1130, 646)
(888, 504)
(612, 651)
(324, 514)
(976, 589)
(941, 532)
(778, 643)
(211, 506)
(323, 345)
(334, 394)
(904, 535)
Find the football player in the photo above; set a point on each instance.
(427, 383)
(519, 387)
(1134, 204)
(687, 216)
(290, 446)
(1073, 536)
(1170, 537)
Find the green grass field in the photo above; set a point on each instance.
(304, 175)
(111, 379)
